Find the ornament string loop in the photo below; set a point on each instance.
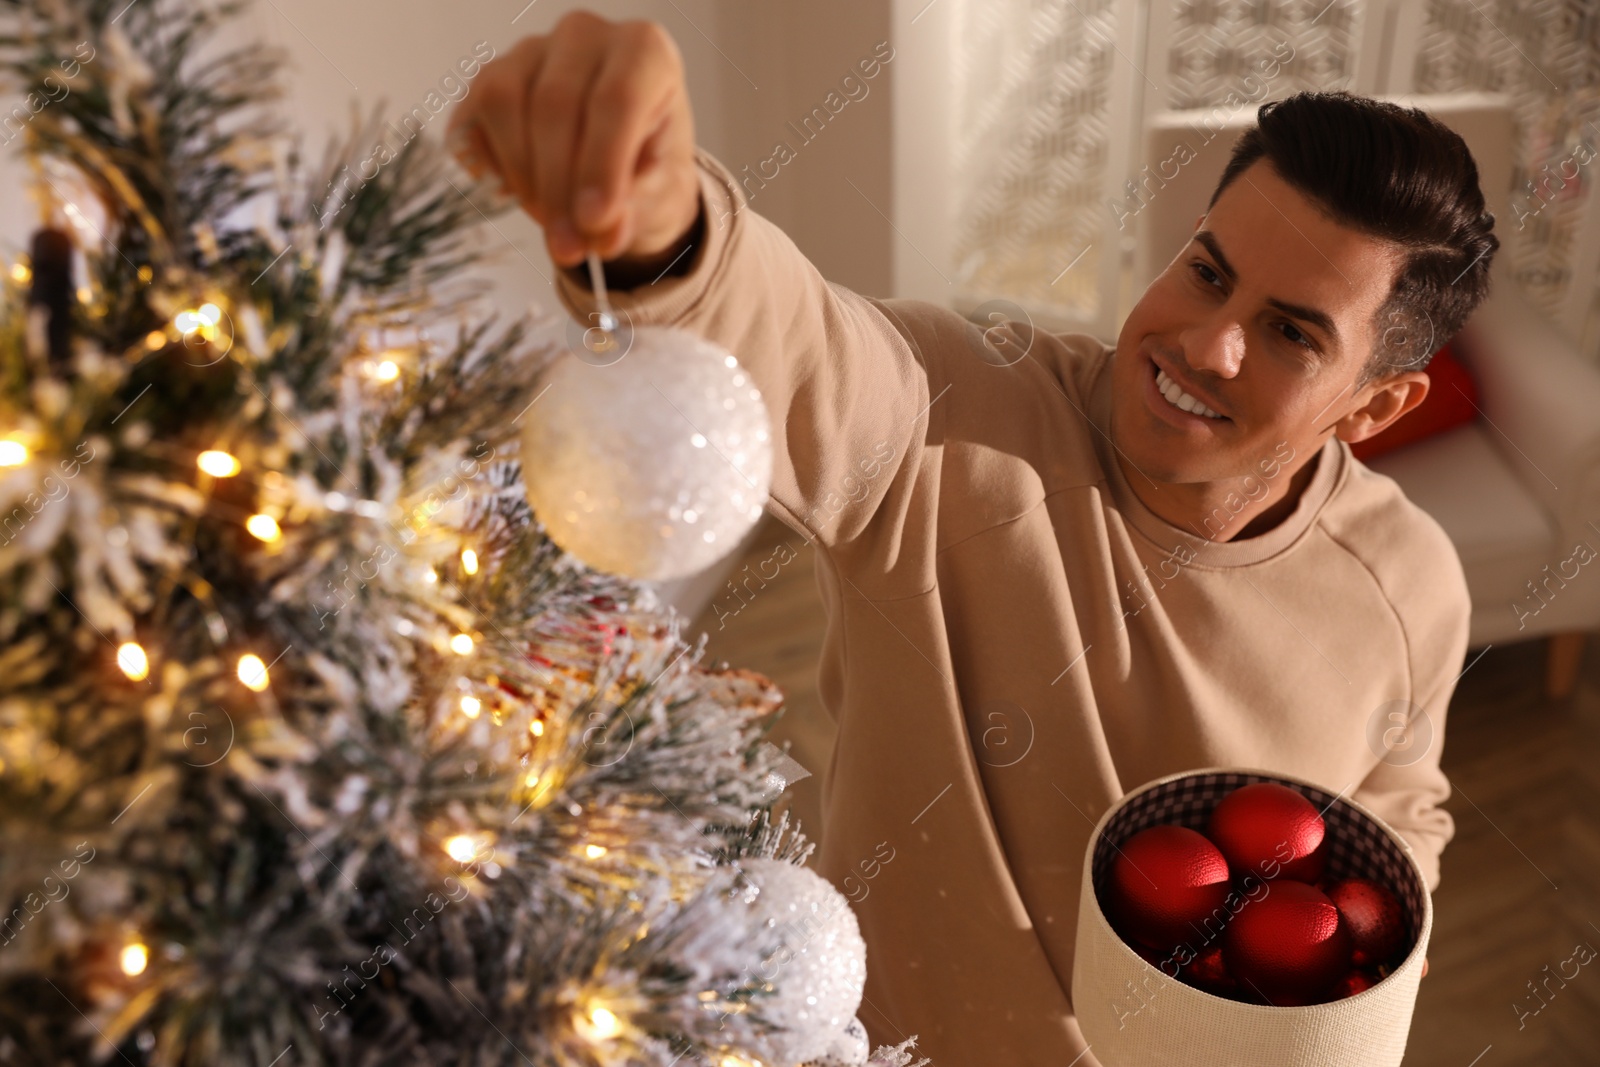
(597, 281)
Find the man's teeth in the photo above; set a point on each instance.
(1180, 399)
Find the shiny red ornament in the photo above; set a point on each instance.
(1289, 946)
(1270, 831)
(1209, 971)
(1165, 881)
(1357, 981)
(1373, 917)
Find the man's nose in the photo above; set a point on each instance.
(1214, 344)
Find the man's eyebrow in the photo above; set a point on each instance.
(1312, 316)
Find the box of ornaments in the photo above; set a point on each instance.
(1244, 918)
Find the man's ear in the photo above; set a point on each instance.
(1387, 399)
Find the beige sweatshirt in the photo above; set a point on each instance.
(1014, 640)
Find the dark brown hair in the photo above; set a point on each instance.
(1396, 173)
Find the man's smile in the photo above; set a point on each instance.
(1160, 392)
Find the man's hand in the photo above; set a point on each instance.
(589, 127)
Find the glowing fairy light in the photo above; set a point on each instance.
(134, 959)
(461, 645)
(469, 561)
(217, 464)
(471, 706)
(463, 848)
(202, 320)
(252, 672)
(597, 1024)
(594, 852)
(134, 663)
(263, 527)
(13, 453)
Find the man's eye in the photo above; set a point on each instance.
(1202, 270)
(1304, 342)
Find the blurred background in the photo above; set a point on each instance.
(1024, 151)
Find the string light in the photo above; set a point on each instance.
(469, 561)
(532, 779)
(461, 644)
(217, 464)
(155, 340)
(263, 527)
(464, 847)
(598, 1024)
(594, 852)
(202, 320)
(536, 727)
(730, 1060)
(13, 453)
(134, 663)
(252, 672)
(386, 370)
(135, 958)
(471, 706)
(21, 274)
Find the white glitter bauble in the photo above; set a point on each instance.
(821, 967)
(849, 1048)
(653, 466)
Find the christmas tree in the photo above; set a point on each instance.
(314, 748)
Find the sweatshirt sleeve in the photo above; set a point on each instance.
(845, 390)
(1407, 787)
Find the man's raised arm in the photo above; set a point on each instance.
(589, 128)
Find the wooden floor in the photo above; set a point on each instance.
(1520, 889)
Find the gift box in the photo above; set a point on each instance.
(1134, 1014)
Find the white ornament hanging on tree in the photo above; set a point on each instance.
(650, 455)
(820, 968)
(848, 1048)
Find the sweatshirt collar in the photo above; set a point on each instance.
(1331, 464)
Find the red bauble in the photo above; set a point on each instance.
(1357, 981)
(1270, 831)
(1164, 882)
(1155, 959)
(1373, 917)
(1288, 946)
(1209, 971)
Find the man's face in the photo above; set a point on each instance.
(1267, 318)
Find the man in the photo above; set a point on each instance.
(1054, 571)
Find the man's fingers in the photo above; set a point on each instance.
(501, 113)
(470, 147)
(556, 104)
(595, 107)
(631, 98)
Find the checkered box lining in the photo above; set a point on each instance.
(1357, 847)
